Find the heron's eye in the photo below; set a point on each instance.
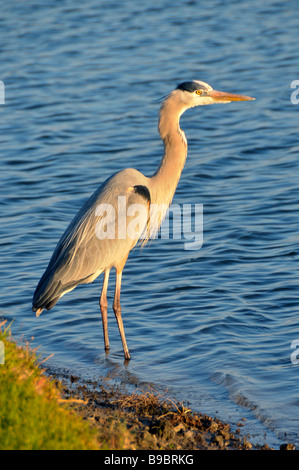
(198, 92)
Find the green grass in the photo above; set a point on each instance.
(30, 414)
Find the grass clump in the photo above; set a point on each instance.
(30, 414)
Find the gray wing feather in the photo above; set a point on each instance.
(81, 254)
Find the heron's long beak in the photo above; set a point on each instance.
(223, 97)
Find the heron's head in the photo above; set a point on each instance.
(198, 93)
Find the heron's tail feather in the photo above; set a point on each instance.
(49, 303)
(47, 293)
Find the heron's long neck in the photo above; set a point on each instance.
(166, 178)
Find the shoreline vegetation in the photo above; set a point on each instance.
(39, 411)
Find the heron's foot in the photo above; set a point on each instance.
(127, 356)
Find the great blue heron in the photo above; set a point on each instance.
(83, 253)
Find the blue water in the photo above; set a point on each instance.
(214, 326)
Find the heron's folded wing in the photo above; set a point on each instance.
(105, 229)
(102, 235)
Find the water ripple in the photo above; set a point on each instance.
(82, 83)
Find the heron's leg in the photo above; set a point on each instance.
(104, 306)
(117, 312)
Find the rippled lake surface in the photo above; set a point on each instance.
(215, 325)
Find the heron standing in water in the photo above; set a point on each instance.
(84, 252)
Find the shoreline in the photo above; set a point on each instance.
(150, 420)
(63, 411)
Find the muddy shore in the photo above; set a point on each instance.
(149, 420)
